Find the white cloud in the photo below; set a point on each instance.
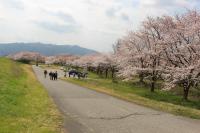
(93, 24)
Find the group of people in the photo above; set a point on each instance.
(52, 75)
(73, 72)
(77, 73)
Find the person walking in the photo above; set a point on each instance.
(56, 75)
(50, 75)
(45, 73)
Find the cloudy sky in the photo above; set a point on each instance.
(95, 24)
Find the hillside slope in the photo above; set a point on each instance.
(45, 49)
(25, 105)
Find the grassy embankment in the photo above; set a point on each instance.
(25, 106)
(140, 94)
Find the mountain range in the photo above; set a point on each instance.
(45, 49)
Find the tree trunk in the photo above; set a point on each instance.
(153, 78)
(101, 73)
(98, 70)
(106, 73)
(153, 82)
(141, 76)
(186, 92)
(152, 86)
(113, 72)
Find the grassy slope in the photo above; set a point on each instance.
(24, 104)
(159, 100)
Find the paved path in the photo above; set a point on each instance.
(87, 111)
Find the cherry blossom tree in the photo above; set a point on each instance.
(27, 57)
(84, 61)
(129, 56)
(105, 63)
(60, 59)
(182, 51)
(164, 47)
(140, 52)
(50, 60)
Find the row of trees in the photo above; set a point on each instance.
(60, 59)
(27, 57)
(164, 48)
(101, 64)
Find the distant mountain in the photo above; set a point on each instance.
(45, 49)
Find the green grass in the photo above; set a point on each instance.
(44, 66)
(140, 94)
(25, 106)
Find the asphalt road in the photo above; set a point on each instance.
(87, 111)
